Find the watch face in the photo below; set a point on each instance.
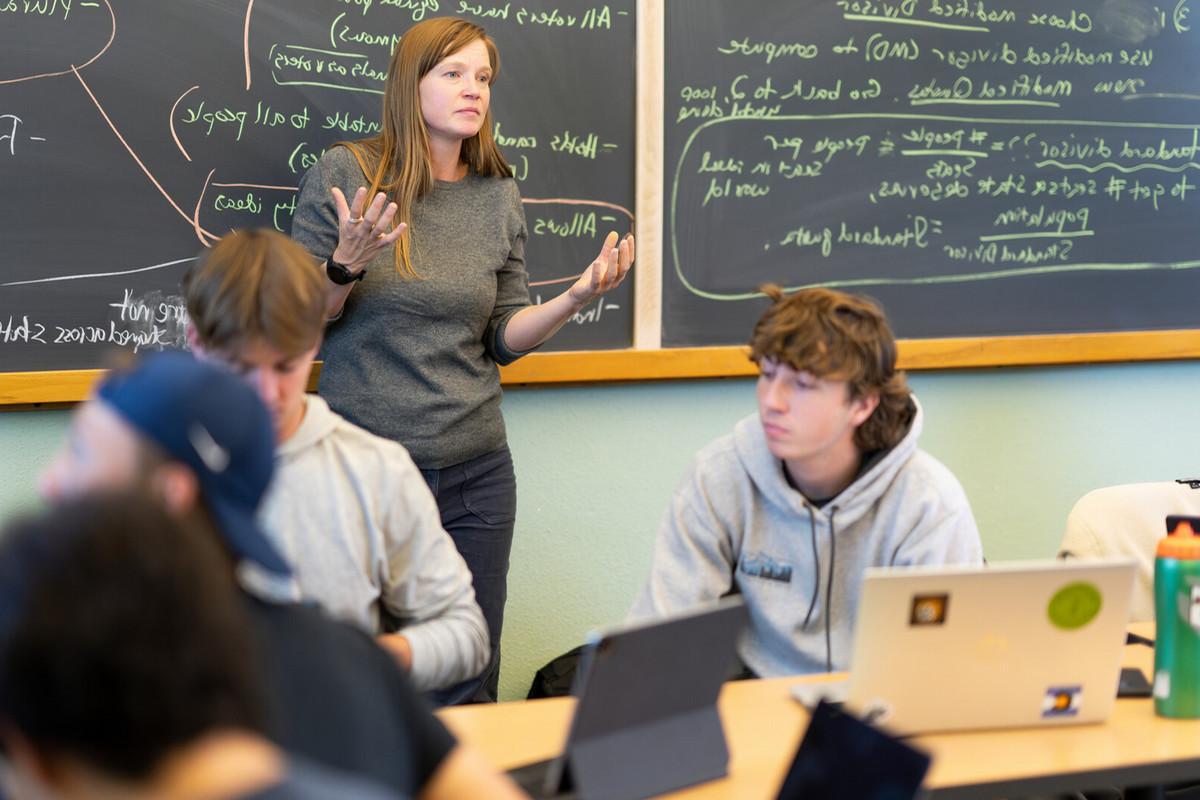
(339, 274)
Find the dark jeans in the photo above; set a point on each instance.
(478, 503)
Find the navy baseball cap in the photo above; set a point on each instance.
(208, 418)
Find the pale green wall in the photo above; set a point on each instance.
(595, 465)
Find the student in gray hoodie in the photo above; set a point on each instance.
(825, 480)
(348, 510)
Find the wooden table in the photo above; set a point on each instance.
(763, 726)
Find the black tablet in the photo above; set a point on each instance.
(841, 756)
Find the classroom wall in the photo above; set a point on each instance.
(595, 465)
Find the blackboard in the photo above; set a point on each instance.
(982, 167)
(133, 132)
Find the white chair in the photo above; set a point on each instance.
(1127, 521)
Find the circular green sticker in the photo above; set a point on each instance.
(1074, 605)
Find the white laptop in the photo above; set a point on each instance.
(1016, 644)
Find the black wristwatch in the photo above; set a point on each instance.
(341, 274)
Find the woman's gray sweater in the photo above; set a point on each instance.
(414, 359)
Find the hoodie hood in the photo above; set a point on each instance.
(319, 422)
(767, 471)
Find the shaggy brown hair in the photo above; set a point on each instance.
(841, 337)
(256, 285)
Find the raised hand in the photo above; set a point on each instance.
(363, 233)
(607, 271)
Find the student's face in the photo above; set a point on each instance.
(280, 380)
(102, 452)
(807, 418)
(455, 94)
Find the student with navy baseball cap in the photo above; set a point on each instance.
(193, 436)
(211, 421)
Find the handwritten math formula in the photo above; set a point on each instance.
(938, 154)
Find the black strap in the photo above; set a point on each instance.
(1133, 638)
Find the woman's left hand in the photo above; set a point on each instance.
(606, 272)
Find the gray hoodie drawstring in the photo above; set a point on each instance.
(812, 530)
(829, 589)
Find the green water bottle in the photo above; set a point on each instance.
(1177, 610)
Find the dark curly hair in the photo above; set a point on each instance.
(842, 337)
(122, 635)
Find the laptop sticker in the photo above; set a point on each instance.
(1075, 605)
(929, 609)
(1062, 701)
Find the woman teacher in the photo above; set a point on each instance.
(424, 235)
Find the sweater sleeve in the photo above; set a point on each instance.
(694, 554)
(428, 587)
(512, 292)
(1080, 539)
(314, 224)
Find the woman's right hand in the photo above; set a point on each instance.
(362, 234)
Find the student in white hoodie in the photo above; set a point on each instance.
(825, 480)
(348, 510)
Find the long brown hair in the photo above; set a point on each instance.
(397, 160)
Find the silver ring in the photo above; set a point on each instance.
(354, 220)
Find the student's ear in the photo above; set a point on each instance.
(175, 484)
(50, 482)
(862, 407)
(193, 341)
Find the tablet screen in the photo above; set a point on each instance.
(842, 756)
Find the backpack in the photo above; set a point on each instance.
(555, 678)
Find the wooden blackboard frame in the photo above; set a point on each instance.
(588, 366)
(647, 361)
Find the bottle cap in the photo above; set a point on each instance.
(1182, 541)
